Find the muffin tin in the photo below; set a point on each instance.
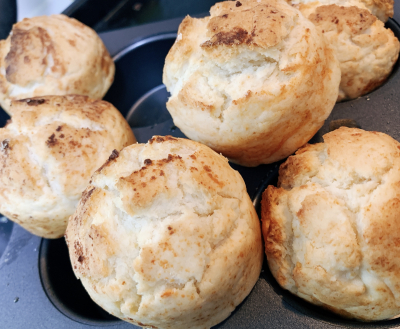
(37, 286)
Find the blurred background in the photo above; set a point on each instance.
(30, 8)
(106, 15)
(101, 15)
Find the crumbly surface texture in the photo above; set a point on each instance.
(166, 236)
(254, 81)
(366, 50)
(332, 227)
(53, 55)
(382, 9)
(48, 153)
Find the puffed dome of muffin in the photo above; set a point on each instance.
(166, 236)
(53, 55)
(366, 50)
(382, 9)
(254, 81)
(332, 227)
(48, 153)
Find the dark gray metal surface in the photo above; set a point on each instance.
(23, 300)
(8, 16)
(396, 16)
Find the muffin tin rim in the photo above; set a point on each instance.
(138, 43)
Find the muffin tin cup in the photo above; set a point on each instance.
(64, 290)
(39, 283)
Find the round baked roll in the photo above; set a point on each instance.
(48, 153)
(254, 81)
(332, 227)
(166, 236)
(53, 55)
(366, 50)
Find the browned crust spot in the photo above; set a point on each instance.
(160, 139)
(27, 58)
(236, 36)
(51, 141)
(148, 163)
(86, 195)
(167, 293)
(333, 17)
(113, 156)
(143, 183)
(372, 85)
(78, 250)
(262, 25)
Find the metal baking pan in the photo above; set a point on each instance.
(37, 285)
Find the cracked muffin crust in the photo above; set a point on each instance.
(254, 81)
(366, 50)
(166, 236)
(332, 227)
(53, 55)
(48, 153)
